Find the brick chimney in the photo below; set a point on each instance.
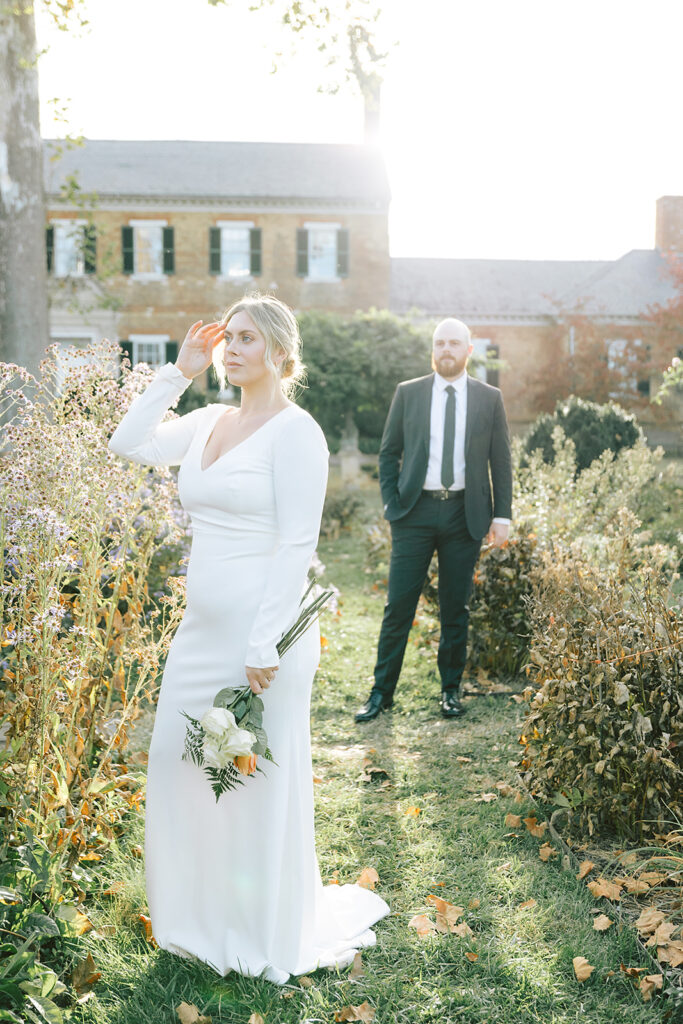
(669, 224)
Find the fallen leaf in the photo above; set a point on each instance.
(317, 780)
(648, 984)
(513, 820)
(147, 925)
(305, 981)
(412, 812)
(653, 877)
(368, 878)
(603, 887)
(649, 920)
(364, 1013)
(422, 924)
(115, 887)
(136, 851)
(79, 922)
(446, 913)
(357, 969)
(673, 953)
(189, 1014)
(486, 798)
(473, 904)
(635, 885)
(505, 789)
(582, 969)
(462, 929)
(585, 867)
(546, 852)
(463, 760)
(535, 828)
(632, 972)
(471, 956)
(504, 867)
(255, 1018)
(602, 923)
(662, 934)
(529, 903)
(85, 975)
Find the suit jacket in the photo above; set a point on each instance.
(404, 452)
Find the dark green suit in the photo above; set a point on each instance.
(421, 525)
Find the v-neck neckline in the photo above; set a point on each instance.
(205, 469)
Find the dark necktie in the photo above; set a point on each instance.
(447, 476)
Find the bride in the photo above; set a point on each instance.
(236, 882)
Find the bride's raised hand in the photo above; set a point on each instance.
(196, 350)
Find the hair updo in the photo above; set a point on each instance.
(280, 331)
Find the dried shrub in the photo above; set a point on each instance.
(81, 638)
(499, 626)
(339, 511)
(605, 727)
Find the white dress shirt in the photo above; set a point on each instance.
(439, 397)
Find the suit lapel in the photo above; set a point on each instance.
(425, 407)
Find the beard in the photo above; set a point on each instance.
(449, 366)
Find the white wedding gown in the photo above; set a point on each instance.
(236, 883)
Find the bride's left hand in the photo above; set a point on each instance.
(259, 679)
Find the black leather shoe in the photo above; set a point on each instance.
(451, 706)
(375, 703)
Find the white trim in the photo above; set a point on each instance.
(323, 225)
(160, 340)
(89, 334)
(148, 337)
(235, 224)
(148, 222)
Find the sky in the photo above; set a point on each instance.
(511, 129)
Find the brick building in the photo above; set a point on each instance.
(150, 236)
(145, 238)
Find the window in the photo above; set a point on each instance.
(235, 249)
(71, 353)
(483, 350)
(322, 251)
(625, 360)
(148, 248)
(71, 248)
(153, 349)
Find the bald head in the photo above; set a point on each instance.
(451, 347)
(453, 328)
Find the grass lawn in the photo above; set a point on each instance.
(452, 843)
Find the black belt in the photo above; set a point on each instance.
(444, 495)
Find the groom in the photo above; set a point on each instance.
(446, 480)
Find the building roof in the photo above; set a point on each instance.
(528, 289)
(230, 171)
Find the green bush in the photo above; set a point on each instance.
(593, 428)
(604, 732)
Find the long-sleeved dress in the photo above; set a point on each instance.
(236, 882)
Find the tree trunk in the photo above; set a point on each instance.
(24, 331)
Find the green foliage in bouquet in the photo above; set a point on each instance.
(593, 428)
(604, 731)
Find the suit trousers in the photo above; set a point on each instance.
(431, 525)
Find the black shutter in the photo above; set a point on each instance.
(492, 376)
(50, 247)
(214, 250)
(343, 252)
(128, 249)
(90, 249)
(127, 350)
(169, 251)
(171, 351)
(255, 251)
(301, 252)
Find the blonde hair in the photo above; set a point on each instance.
(279, 328)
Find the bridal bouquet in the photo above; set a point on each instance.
(228, 740)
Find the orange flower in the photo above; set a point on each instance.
(246, 764)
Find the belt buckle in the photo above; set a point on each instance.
(443, 494)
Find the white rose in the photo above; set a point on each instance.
(217, 721)
(241, 742)
(215, 754)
